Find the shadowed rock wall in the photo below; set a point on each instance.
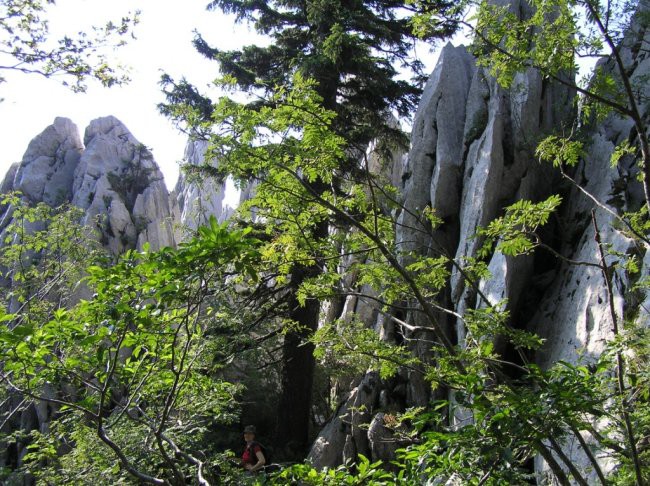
(472, 154)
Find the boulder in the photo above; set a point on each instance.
(383, 443)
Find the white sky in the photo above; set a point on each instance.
(163, 43)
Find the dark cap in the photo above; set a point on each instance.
(249, 429)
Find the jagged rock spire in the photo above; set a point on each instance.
(111, 175)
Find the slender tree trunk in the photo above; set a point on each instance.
(297, 380)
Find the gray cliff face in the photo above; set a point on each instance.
(618, 189)
(116, 181)
(472, 154)
(573, 316)
(46, 173)
(434, 164)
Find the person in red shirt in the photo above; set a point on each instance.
(253, 458)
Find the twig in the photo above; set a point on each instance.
(620, 362)
(590, 455)
(567, 462)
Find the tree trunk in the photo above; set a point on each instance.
(297, 375)
(298, 363)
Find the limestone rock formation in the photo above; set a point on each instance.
(197, 200)
(472, 154)
(436, 144)
(577, 293)
(46, 173)
(345, 436)
(7, 184)
(111, 176)
(121, 188)
(574, 316)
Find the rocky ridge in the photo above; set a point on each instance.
(110, 175)
(116, 181)
(471, 154)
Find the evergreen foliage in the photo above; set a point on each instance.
(353, 51)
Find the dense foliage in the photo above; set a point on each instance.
(131, 362)
(351, 51)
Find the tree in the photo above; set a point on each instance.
(26, 46)
(288, 142)
(352, 50)
(291, 143)
(129, 375)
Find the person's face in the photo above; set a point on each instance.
(248, 436)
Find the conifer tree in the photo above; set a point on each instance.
(354, 51)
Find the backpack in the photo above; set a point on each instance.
(265, 451)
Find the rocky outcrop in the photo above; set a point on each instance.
(434, 165)
(364, 423)
(46, 173)
(574, 316)
(197, 199)
(121, 189)
(111, 176)
(577, 294)
(115, 180)
(472, 154)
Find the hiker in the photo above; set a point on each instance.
(253, 458)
